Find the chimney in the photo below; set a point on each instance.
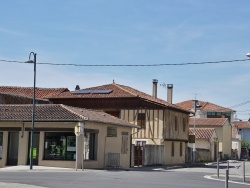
(77, 87)
(170, 93)
(155, 81)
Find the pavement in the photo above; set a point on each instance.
(235, 171)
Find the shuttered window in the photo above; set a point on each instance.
(124, 148)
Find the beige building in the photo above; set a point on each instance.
(161, 122)
(102, 140)
(206, 143)
(223, 130)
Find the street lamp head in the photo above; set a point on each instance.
(248, 54)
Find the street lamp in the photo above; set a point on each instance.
(196, 105)
(33, 109)
(248, 54)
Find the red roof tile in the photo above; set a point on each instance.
(205, 106)
(202, 133)
(57, 113)
(118, 91)
(28, 91)
(207, 121)
(242, 124)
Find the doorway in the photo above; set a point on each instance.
(13, 143)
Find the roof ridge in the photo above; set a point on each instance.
(69, 108)
(120, 87)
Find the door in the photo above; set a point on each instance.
(35, 148)
(138, 155)
(13, 142)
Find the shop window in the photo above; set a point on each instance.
(111, 132)
(1, 144)
(90, 146)
(141, 120)
(60, 146)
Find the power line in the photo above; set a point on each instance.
(132, 65)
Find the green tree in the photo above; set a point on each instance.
(245, 144)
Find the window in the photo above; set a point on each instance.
(1, 144)
(111, 132)
(60, 146)
(184, 124)
(180, 148)
(141, 120)
(172, 149)
(90, 146)
(124, 148)
(175, 123)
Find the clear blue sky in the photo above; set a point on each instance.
(131, 32)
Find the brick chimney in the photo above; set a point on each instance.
(170, 93)
(155, 81)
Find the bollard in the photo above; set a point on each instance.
(244, 172)
(226, 179)
(218, 168)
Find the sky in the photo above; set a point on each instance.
(131, 32)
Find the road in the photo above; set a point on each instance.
(136, 178)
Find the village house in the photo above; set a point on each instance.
(206, 143)
(223, 131)
(163, 133)
(64, 136)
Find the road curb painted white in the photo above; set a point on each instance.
(216, 179)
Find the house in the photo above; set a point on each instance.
(161, 122)
(223, 130)
(206, 143)
(24, 95)
(63, 136)
(241, 130)
(208, 109)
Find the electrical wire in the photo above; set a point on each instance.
(131, 65)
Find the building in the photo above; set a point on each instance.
(161, 122)
(63, 136)
(24, 95)
(206, 143)
(208, 110)
(223, 130)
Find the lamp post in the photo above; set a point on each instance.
(33, 109)
(248, 54)
(196, 104)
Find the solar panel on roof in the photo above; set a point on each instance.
(102, 91)
(82, 91)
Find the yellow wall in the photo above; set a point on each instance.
(104, 145)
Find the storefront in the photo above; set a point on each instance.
(55, 142)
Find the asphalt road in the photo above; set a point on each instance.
(136, 178)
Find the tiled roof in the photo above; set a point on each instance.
(57, 113)
(217, 122)
(119, 91)
(205, 106)
(202, 133)
(28, 91)
(242, 124)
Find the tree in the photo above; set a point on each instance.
(245, 143)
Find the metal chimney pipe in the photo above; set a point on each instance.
(170, 93)
(155, 81)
